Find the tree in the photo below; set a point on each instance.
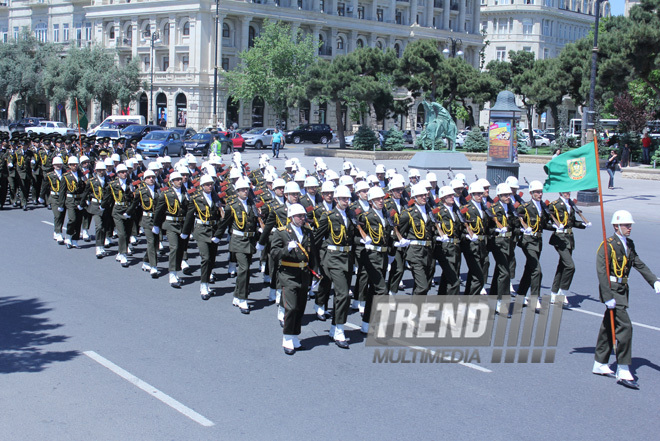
(394, 140)
(475, 141)
(273, 67)
(365, 139)
(632, 118)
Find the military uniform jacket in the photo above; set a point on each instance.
(379, 230)
(451, 227)
(257, 179)
(52, 185)
(317, 212)
(566, 217)
(277, 218)
(507, 219)
(170, 210)
(22, 162)
(621, 262)
(479, 223)
(203, 218)
(287, 177)
(413, 227)
(72, 189)
(94, 193)
(46, 160)
(305, 255)
(333, 233)
(118, 198)
(308, 201)
(535, 220)
(144, 201)
(243, 224)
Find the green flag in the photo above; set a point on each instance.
(82, 118)
(572, 171)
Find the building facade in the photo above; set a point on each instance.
(183, 37)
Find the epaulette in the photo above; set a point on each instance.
(610, 239)
(282, 228)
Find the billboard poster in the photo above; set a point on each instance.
(499, 140)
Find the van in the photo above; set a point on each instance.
(137, 119)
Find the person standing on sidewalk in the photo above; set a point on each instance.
(277, 143)
(611, 165)
(646, 149)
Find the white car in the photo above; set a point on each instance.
(540, 141)
(259, 138)
(48, 127)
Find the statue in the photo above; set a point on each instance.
(438, 125)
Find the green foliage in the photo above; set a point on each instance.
(522, 146)
(365, 139)
(475, 141)
(426, 143)
(273, 68)
(394, 140)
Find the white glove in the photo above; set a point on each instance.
(260, 230)
(473, 238)
(183, 236)
(215, 240)
(126, 216)
(526, 231)
(587, 225)
(402, 243)
(367, 240)
(656, 286)
(60, 209)
(558, 227)
(260, 247)
(102, 209)
(502, 230)
(611, 304)
(444, 238)
(80, 208)
(40, 200)
(10, 165)
(292, 245)
(33, 162)
(155, 230)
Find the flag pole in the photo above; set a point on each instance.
(80, 136)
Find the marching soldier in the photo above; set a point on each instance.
(564, 242)
(614, 292)
(360, 206)
(204, 216)
(474, 244)
(293, 246)
(170, 213)
(4, 172)
(119, 198)
(71, 191)
(93, 199)
(241, 217)
(146, 197)
(448, 251)
(50, 194)
(395, 203)
(21, 163)
(503, 222)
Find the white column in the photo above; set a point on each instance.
(245, 29)
(476, 17)
(429, 13)
(413, 11)
(352, 43)
(446, 10)
(316, 30)
(172, 43)
(461, 16)
(391, 14)
(135, 38)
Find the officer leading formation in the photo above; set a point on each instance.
(312, 231)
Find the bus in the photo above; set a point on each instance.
(609, 127)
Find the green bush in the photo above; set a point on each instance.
(394, 140)
(365, 139)
(475, 141)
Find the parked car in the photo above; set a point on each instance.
(237, 140)
(138, 131)
(23, 123)
(349, 140)
(48, 127)
(407, 136)
(161, 143)
(113, 134)
(201, 143)
(258, 137)
(540, 140)
(316, 133)
(185, 132)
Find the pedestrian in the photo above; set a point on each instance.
(277, 142)
(646, 148)
(611, 165)
(556, 153)
(614, 292)
(625, 156)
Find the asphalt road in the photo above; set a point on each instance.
(67, 319)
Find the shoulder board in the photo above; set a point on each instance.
(282, 228)
(610, 239)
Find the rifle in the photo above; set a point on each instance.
(573, 203)
(544, 205)
(492, 215)
(395, 227)
(466, 224)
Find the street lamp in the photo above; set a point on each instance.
(155, 38)
(215, 69)
(454, 43)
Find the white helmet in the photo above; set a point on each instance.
(396, 183)
(418, 190)
(327, 187)
(167, 159)
(347, 166)
(362, 185)
(354, 172)
(460, 177)
(431, 177)
(331, 175)
(115, 157)
(622, 217)
(215, 160)
(426, 184)
(121, 168)
(321, 166)
(149, 173)
(192, 159)
(362, 175)
(372, 179)
(380, 168)
(279, 182)
(57, 160)
(346, 180)
(138, 157)
(154, 165)
(299, 176)
(390, 173)
(535, 186)
(311, 181)
(445, 190)
(99, 165)
(292, 187)
(206, 179)
(288, 164)
(484, 182)
(295, 209)
(512, 181)
(503, 189)
(414, 173)
(175, 175)
(130, 163)
(456, 183)
(83, 158)
(108, 162)
(242, 183)
(269, 177)
(375, 192)
(72, 160)
(234, 173)
(342, 191)
(476, 187)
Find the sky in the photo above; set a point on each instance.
(617, 6)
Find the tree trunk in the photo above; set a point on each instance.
(532, 141)
(373, 123)
(412, 114)
(340, 125)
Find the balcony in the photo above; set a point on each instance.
(325, 51)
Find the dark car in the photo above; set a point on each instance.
(137, 132)
(161, 143)
(21, 124)
(185, 132)
(310, 132)
(407, 136)
(201, 143)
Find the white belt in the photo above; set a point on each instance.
(242, 233)
(422, 243)
(375, 248)
(73, 196)
(96, 200)
(54, 193)
(568, 231)
(147, 214)
(618, 279)
(337, 248)
(120, 204)
(212, 222)
(174, 219)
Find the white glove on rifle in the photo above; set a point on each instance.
(558, 227)
(260, 247)
(402, 243)
(587, 225)
(155, 230)
(183, 236)
(526, 231)
(656, 286)
(292, 245)
(40, 200)
(611, 304)
(367, 240)
(215, 240)
(60, 209)
(126, 216)
(473, 238)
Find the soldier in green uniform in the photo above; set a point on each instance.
(71, 191)
(93, 199)
(146, 197)
(360, 206)
(292, 246)
(4, 172)
(564, 242)
(448, 250)
(170, 213)
(395, 203)
(50, 194)
(614, 292)
(336, 237)
(474, 244)
(119, 198)
(21, 162)
(241, 217)
(203, 220)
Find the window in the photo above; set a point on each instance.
(322, 5)
(399, 17)
(379, 44)
(16, 33)
(111, 34)
(379, 15)
(146, 62)
(166, 63)
(549, 3)
(300, 4)
(186, 29)
(547, 28)
(484, 26)
(225, 64)
(562, 4)
(359, 43)
(484, 2)
(397, 50)
(510, 25)
(546, 53)
(585, 6)
(361, 12)
(41, 32)
(65, 32)
(528, 26)
(527, 48)
(225, 30)
(340, 43)
(503, 26)
(341, 9)
(5, 35)
(185, 63)
(88, 31)
(501, 53)
(56, 33)
(252, 34)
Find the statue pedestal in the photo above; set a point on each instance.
(440, 160)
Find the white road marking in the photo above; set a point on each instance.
(419, 348)
(159, 395)
(48, 223)
(654, 328)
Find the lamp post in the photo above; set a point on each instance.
(215, 69)
(454, 43)
(155, 38)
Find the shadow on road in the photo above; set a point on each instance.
(23, 337)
